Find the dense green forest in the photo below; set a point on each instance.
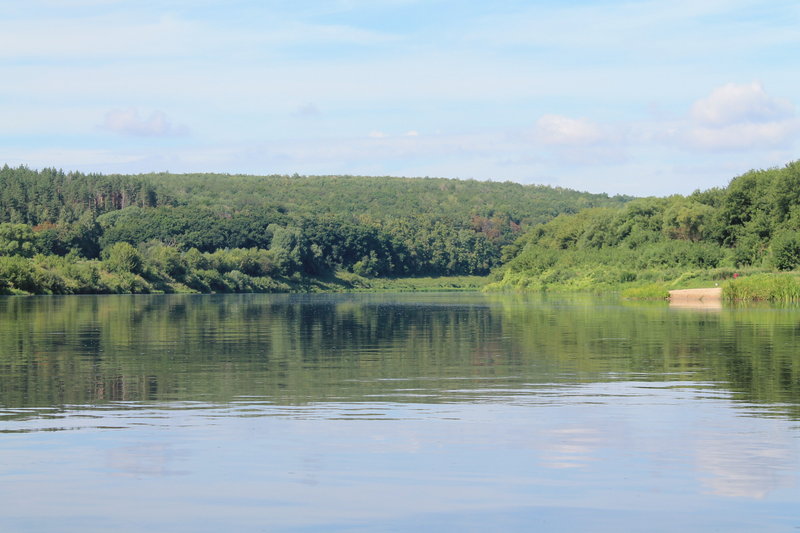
(68, 232)
(752, 225)
(65, 233)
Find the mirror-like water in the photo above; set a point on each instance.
(392, 412)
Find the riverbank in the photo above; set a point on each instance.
(54, 275)
(92, 279)
(696, 295)
(761, 286)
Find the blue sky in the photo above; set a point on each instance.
(638, 97)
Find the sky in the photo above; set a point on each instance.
(622, 97)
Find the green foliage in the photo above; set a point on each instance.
(18, 273)
(653, 291)
(160, 258)
(368, 266)
(686, 219)
(763, 287)
(415, 284)
(50, 195)
(786, 250)
(207, 232)
(17, 239)
(291, 250)
(306, 226)
(753, 222)
(206, 229)
(122, 257)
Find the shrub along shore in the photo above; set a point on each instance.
(159, 269)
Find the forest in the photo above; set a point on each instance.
(73, 233)
(751, 226)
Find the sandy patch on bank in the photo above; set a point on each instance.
(714, 293)
(709, 299)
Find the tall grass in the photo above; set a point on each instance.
(653, 291)
(763, 287)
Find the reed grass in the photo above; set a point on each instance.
(775, 287)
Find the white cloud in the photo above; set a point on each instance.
(565, 131)
(741, 117)
(581, 142)
(735, 104)
(253, 75)
(733, 117)
(128, 122)
(744, 136)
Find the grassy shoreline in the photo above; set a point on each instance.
(337, 283)
(746, 285)
(775, 287)
(738, 285)
(160, 269)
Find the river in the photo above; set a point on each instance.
(385, 412)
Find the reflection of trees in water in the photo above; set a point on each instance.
(85, 349)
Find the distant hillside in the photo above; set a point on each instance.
(380, 198)
(411, 226)
(289, 225)
(52, 196)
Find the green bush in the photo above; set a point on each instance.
(165, 260)
(17, 239)
(121, 257)
(126, 283)
(785, 248)
(18, 273)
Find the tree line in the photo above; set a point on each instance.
(78, 233)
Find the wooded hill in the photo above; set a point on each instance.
(753, 223)
(63, 232)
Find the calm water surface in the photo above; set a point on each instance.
(438, 412)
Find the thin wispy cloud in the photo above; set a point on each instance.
(307, 110)
(129, 122)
